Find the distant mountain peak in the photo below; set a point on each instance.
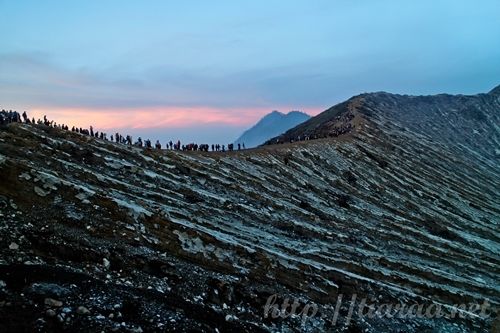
(295, 112)
(272, 114)
(272, 124)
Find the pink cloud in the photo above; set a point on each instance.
(154, 117)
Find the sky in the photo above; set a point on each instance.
(206, 70)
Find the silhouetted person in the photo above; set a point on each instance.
(139, 142)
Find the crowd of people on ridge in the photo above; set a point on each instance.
(343, 125)
(7, 117)
(10, 116)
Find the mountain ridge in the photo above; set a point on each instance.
(495, 91)
(481, 107)
(402, 208)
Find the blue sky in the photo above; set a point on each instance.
(205, 70)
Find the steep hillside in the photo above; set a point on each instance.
(402, 207)
(269, 126)
(468, 124)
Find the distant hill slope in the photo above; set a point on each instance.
(270, 126)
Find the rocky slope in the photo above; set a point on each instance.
(269, 126)
(401, 207)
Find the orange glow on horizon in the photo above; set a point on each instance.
(153, 117)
